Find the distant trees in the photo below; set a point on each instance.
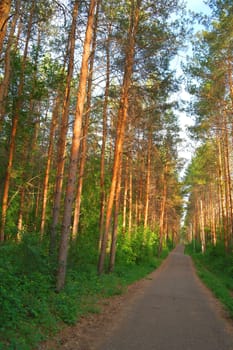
(210, 211)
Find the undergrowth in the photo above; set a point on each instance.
(215, 268)
(31, 310)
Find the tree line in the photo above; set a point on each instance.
(208, 181)
(88, 132)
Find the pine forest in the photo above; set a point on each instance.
(94, 192)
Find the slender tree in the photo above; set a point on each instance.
(71, 181)
(63, 130)
(5, 6)
(85, 130)
(15, 121)
(122, 117)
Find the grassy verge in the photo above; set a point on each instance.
(215, 268)
(31, 311)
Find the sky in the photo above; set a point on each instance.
(197, 5)
(187, 147)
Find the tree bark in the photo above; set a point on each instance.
(14, 127)
(63, 132)
(202, 227)
(228, 181)
(122, 117)
(53, 127)
(125, 197)
(85, 132)
(162, 210)
(148, 175)
(70, 188)
(5, 6)
(130, 195)
(104, 139)
(115, 223)
(4, 85)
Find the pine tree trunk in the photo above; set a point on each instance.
(202, 227)
(228, 180)
(213, 218)
(148, 175)
(5, 6)
(104, 139)
(29, 147)
(4, 85)
(162, 210)
(85, 133)
(226, 188)
(115, 223)
(222, 216)
(125, 197)
(14, 127)
(53, 127)
(63, 132)
(122, 117)
(130, 218)
(140, 192)
(71, 182)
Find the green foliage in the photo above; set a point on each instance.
(26, 284)
(31, 310)
(215, 268)
(137, 248)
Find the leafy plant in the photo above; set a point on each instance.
(215, 269)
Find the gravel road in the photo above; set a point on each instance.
(173, 312)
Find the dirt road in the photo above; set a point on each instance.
(173, 312)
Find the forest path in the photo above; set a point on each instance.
(175, 312)
(168, 310)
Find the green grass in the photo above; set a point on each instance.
(31, 310)
(215, 268)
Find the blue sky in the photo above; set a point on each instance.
(197, 5)
(187, 147)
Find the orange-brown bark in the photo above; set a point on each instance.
(5, 6)
(71, 181)
(14, 127)
(63, 132)
(122, 117)
(53, 127)
(85, 134)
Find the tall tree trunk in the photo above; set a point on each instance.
(212, 217)
(125, 197)
(148, 176)
(202, 227)
(63, 131)
(140, 190)
(104, 139)
(14, 127)
(115, 223)
(70, 188)
(222, 218)
(4, 85)
(5, 6)
(226, 186)
(29, 145)
(122, 117)
(162, 210)
(228, 181)
(85, 132)
(27, 155)
(130, 195)
(53, 127)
